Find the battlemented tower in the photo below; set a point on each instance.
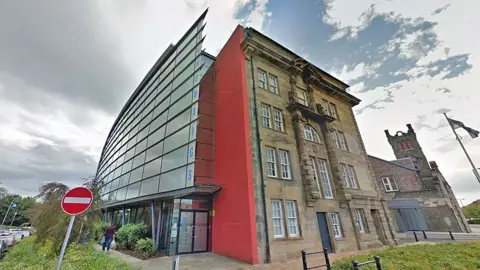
(406, 145)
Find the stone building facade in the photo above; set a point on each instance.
(416, 189)
(307, 147)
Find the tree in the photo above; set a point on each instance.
(23, 204)
(51, 222)
(472, 211)
(52, 191)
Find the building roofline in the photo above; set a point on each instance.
(163, 57)
(291, 52)
(392, 163)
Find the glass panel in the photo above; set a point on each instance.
(185, 74)
(156, 136)
(136, 175)
(152, 168)
(158, 122)
(121, 193)
(185, 232)
(178, 122)
(127, 166)
(174, 159)
(177, 139)
(179, 106)
(201, 227)
(133, 190)
(173, 180)
(124, 180)
(139, 160)
(150, 185)
(184, 88)
(154, 152)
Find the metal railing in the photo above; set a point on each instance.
(325, 255)
(376, 260)
(441, 236)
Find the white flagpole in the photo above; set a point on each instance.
(475, 171)
(5, 217)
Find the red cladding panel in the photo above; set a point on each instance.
(233, 231)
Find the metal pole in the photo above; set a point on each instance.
(327, 260)
(152, 210)
(13, 218)
(464, 150)
(65, 242)
(451, 235)
(377, 263)
(157, 240)
(416, 238)
(8, 210)
(304, 260)
(424, 234)
(355, 265)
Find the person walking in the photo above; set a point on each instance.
(108, 236)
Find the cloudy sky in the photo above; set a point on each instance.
(67, 67)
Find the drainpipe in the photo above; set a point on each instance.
(262, 180)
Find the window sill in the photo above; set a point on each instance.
(278, 178)
(276, 130)
(298, 238)
(342, 239)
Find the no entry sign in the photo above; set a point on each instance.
(77, 200)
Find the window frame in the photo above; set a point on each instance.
(304, 98)
(293, 204)
(336, 143)
(276, 89)
(284, 162)
(352, 176)
(280, 218)
(270, 162)
(333, 110)
(315, 173)
(268, 118)
(308, 130)
(336, 225)
(278, 123)
(265, 81)
(325, 179)
(360, 220)
(390, 179)
(342, 140)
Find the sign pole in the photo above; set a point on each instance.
(13, 219)
(8, 210)
(65, 242)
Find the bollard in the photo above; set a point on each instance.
(424, 234)
(416, 237)
(327, 260)
(355, 265)
(176, 263)
(304, 260)
(451, 235)
(13, 241)
(377, 263)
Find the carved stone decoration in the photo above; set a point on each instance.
(310, 187)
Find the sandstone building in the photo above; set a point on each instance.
(418, 195)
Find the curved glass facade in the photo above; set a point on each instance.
(151, 147)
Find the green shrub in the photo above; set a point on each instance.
(129, 234)
(145, 247)
(98, 230)
(474, 221)
(29, 256)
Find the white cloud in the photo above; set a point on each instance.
(414, 97)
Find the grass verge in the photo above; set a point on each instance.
(28, 256)
(448, 256)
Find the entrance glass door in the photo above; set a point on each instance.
(193, 231)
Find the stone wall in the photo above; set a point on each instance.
(302, 187)
(439, 208)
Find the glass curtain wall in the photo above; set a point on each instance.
(152, 148)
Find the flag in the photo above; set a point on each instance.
(14, 205)
(457, 124)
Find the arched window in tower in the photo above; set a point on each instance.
(400, 146)
(409, 144)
